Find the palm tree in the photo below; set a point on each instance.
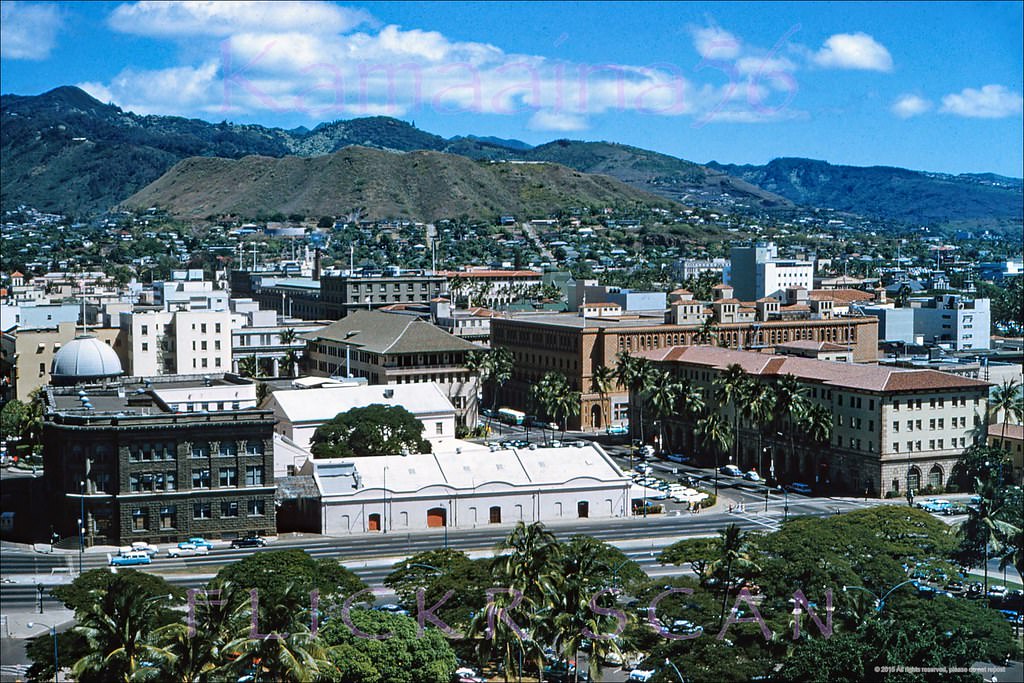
(790, 405)
(249, 367)
(735, 556)
(985, 528)
(715, 433)
(758, 408)
(691, 403)
(732, 387)
(1004, 399)
(627, 372)
(708, 331)
(602, 382)
(118, 625)
(501, 364)
(815, 426)
(663, 395)
(288, 336)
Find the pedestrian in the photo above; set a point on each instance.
(730, 508)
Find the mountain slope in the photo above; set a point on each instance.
(419, 185)
(888, 193)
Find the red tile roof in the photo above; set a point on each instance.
(845, 375)
(840, 295)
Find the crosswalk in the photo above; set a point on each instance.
(14, 672)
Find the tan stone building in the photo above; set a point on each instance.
(1009, 437)
(892, 429)
(574, 345)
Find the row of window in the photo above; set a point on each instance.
(167, 450)
(933, 423)
(933, 444)
(167, 481)
(168, 515)
(916, 403)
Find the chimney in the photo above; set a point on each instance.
(316, 265)
(880, 294)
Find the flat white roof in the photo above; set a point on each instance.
(320, 405)
(474, 467)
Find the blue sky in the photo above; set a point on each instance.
(927, 86)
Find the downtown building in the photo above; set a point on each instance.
(157, 459)
(892, 429)
(575, 345)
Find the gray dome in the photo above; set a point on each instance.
(84, 358)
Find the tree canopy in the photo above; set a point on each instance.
(370, 430)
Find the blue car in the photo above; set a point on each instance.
(197, 542)
(131, 558)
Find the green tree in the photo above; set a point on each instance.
(699, 553)
(370, 430)
(731, 388)
(272, 573)
(404, 657)
(440, 571)
(979, 462)
(735, 555)
(664, 394)
(12, 416)
(603, 382)
(716, 436)
(1004, 399)
(985, 530)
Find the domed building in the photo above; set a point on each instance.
(84, 359)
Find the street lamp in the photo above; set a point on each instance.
(767, 488)
(879, 601)
(81, 527)
(53, 632)
(675, 668)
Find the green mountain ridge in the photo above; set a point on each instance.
(421, 185)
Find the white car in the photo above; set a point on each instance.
(641, 674)
(187, 550)
(140, 547)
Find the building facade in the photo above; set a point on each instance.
(952, 320)
(340, 295)
(136, 467)
(892, 430)
(756, 271)
(386, 348)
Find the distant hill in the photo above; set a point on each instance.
(64, 151)
(421, 185)
(889, 193)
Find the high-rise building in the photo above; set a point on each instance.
(756, 271)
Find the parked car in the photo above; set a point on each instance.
(731, 471)
(647, 451)
(130, 558)
(198, 541)
(934, 504)
(678, 457)
(140, 547)
(643, 468)
(798, 487)
(752, 476)
(616, 430)
(642, 675)
(956, 509)
(187, 550)
(249, 542)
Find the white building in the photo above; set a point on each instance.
(757, 271)
(175, 343)
(468, 488)
(953, 321)
(300, 411)
(187, 290)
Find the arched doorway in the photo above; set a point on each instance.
(913, 479)
(595, 416)
(437, 517)
(495, 514)
(583, 509)
(373, 522)
(935, 477)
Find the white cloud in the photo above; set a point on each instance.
(712, 42)
(280, 67)
(907, 106)
(28, 31)
(990, 102)
(215, 18)
(854, 51)
(552, 120)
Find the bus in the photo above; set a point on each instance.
(513, 417)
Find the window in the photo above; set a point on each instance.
(216, 328)
(910, 425)
(167, 515)
(917, 425)
(257, 507)
(201, 449)
(229, 508)
(254, 475)
(201, 511)
(228, 449)
(439, 427)
(942, 423)
(145, 346)
(229, 476)
(145, 330)
(254, 448)
(138, 519)
(200, 479)
(135, 483)
(931, 423)
(170, 481)
(895, 425)
(202, 328)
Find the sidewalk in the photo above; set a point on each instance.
(15, 623)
